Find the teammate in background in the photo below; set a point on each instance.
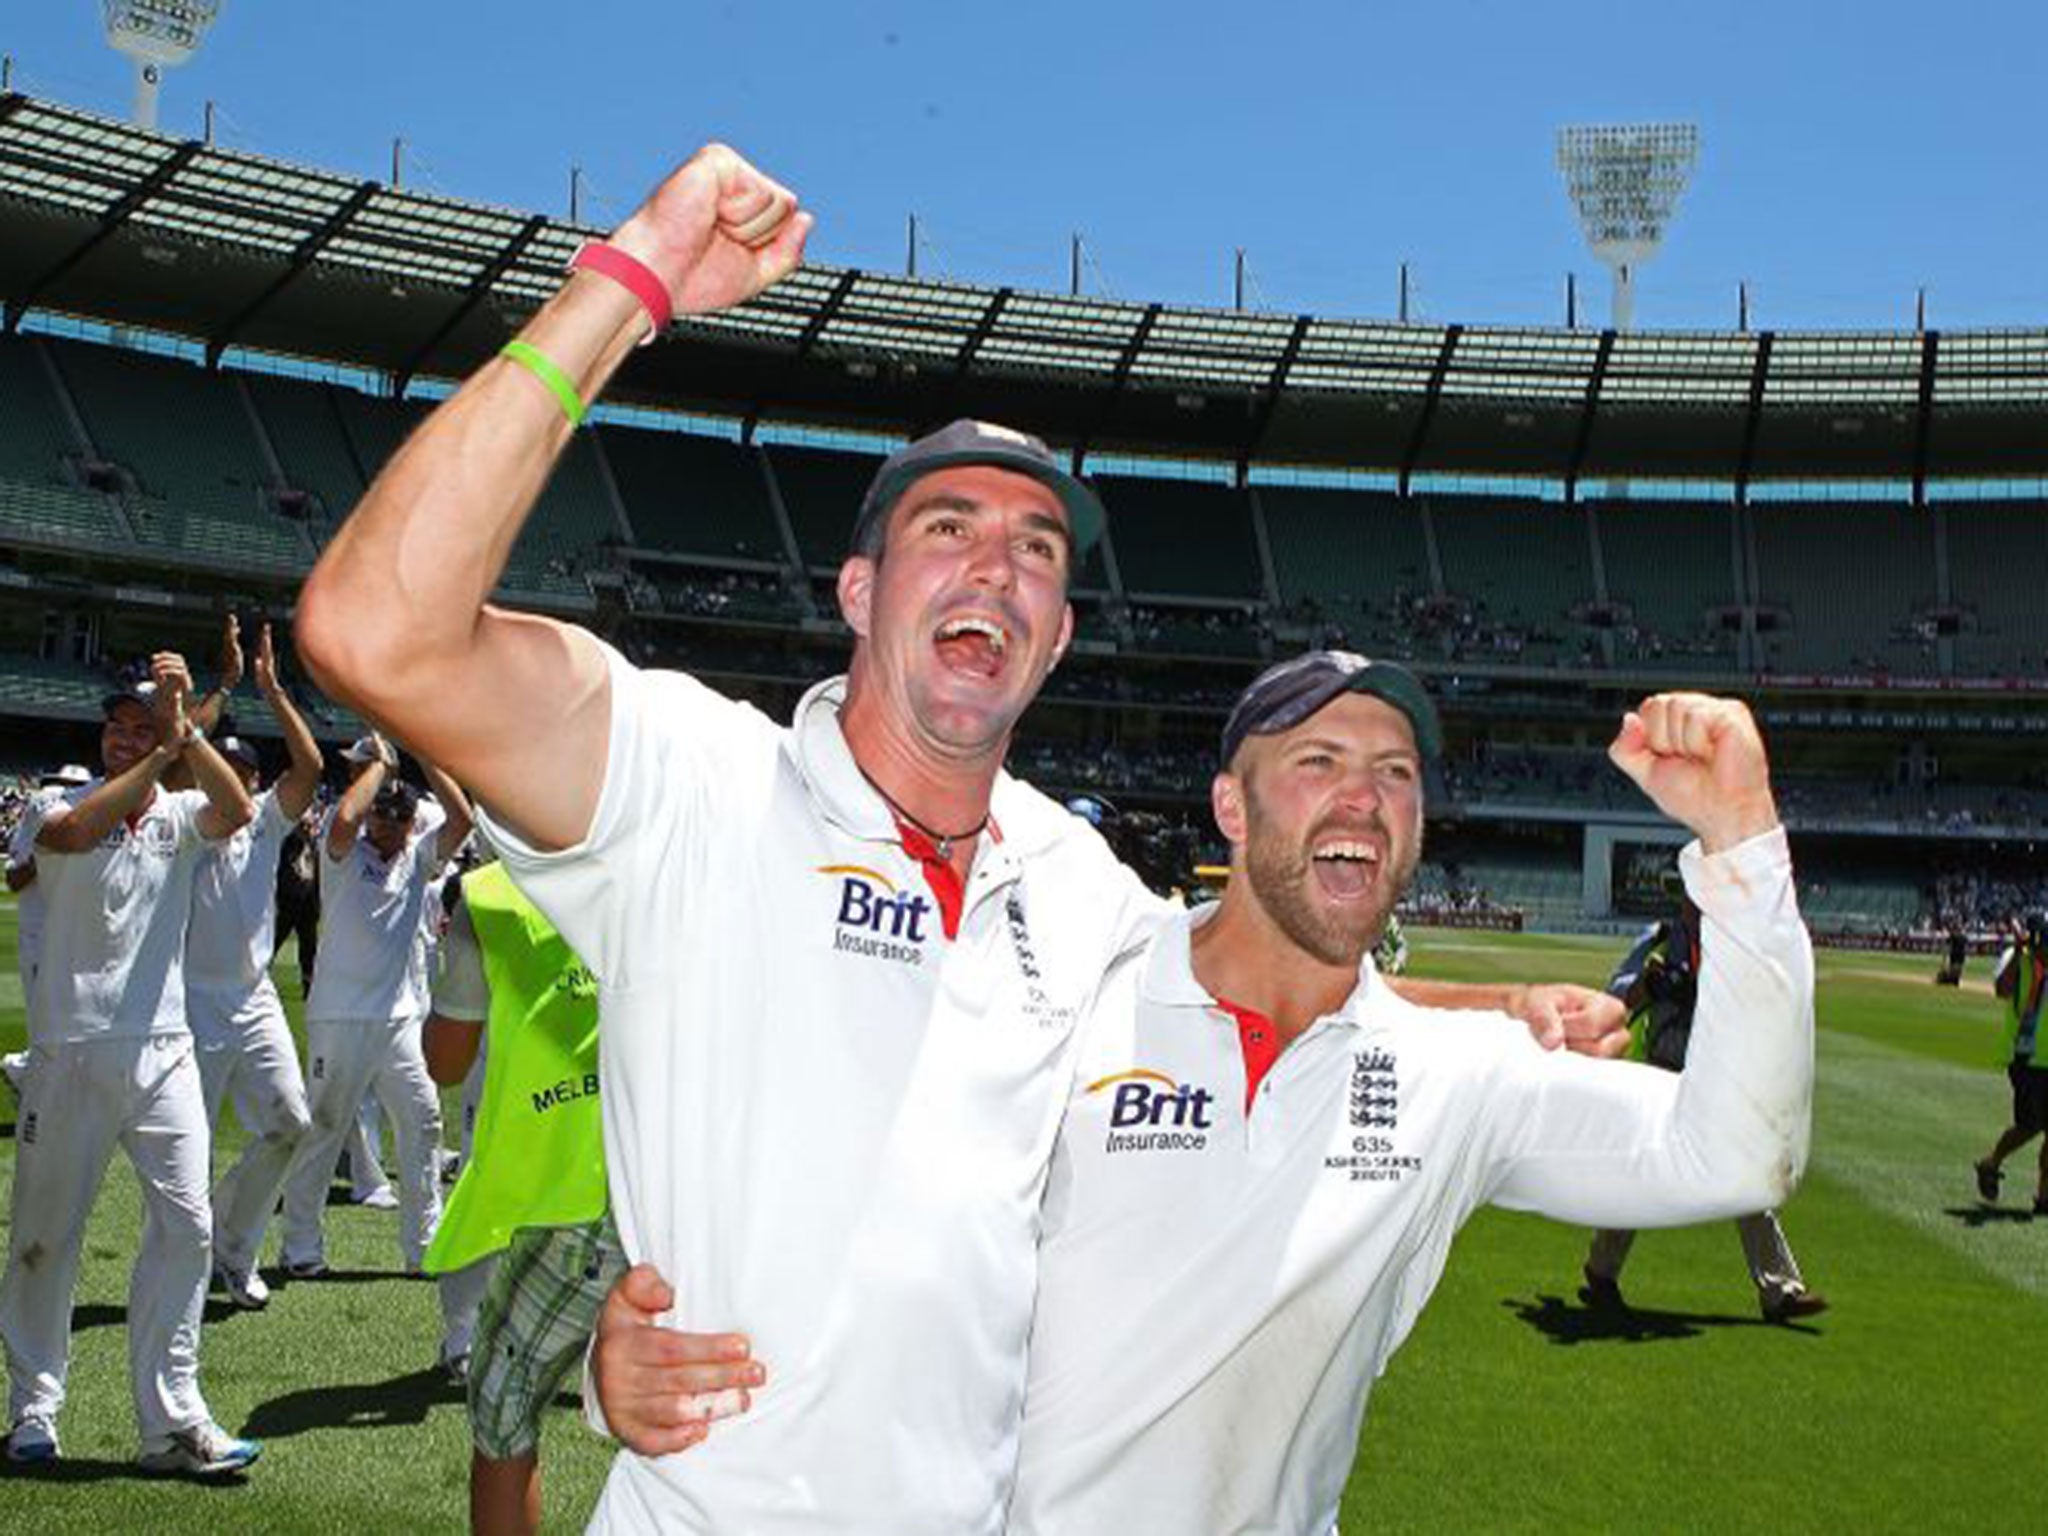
(1658, 982)
(529, 1209)
(111, 1061)
(839, 962)
(21, 879)
(2021, 979)
(298, 893)
(244, 1044)
(382, 848)
(1267, 1152)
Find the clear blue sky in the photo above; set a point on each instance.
(1850, 151)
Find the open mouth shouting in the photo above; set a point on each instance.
(1346, 868)
(973, 644)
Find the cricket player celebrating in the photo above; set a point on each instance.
(244, 1045)
(382, 848)
(111, 1060)
(1267, 1153)
(839, 962)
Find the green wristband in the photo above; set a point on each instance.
(543, 367)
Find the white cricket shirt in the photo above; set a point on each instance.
(371, 912)
(827, 1124)
(1218, 1290)
(234, 905)
(114, 931)
(29, 905)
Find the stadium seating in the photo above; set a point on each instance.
(1852, 577)
(1353, 559)
(1998, 578)
(200, 484)
(821, 490)
(1181, 538)
(692, 495)
(1526, 566)
(312, 448)
(1670, 567)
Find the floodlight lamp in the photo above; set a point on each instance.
(156, 34)
(159, 32)
(1625, 182)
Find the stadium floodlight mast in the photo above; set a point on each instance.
(1625, 181)
(156, 35)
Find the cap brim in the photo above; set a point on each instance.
(1085, 515)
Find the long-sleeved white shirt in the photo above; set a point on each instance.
(1218, 1289)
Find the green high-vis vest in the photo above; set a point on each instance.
(537, 1158)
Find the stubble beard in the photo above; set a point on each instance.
(1281, 877)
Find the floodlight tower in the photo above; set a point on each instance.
(1625, 181)
(156, 34)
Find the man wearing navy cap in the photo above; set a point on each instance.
(1267, 1151)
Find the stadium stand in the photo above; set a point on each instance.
(689, 495)
(1671, 575)
(1850, 579)
(197, 485)
(141, 496)
(1182, 538)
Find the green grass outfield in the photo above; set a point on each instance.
(1915, 1405)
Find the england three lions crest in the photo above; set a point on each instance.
(1375, 1091)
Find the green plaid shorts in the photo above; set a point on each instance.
(533, 1327)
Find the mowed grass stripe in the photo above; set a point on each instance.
(1901, 1134)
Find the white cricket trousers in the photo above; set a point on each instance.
(246, 1053)
(78, 1099)
(343, 1059)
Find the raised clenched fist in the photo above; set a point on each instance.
(1702, 760)
(717, 231)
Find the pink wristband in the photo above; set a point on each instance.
(632, 274)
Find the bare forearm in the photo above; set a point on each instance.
(397, 583)
(354, 807)
(460, 817)
(302, 778)
(222, 788)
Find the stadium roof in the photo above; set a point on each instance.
(104, 220)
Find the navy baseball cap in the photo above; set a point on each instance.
(1287, 693)
(982, 442)
(397, 800)
(143, 693)
(241, 751)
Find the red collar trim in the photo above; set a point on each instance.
(1260, 1043)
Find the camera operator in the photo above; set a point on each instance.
(1658, 982)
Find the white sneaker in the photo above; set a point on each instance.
(12, 1066)
(382, 1198)
(246, 1291)
(204, 1450)
(31, 1443)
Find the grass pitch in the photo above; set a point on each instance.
(1912, 1406)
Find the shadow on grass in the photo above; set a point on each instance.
(84, 1469)
(401, 1400)
(1564, 1322)
(104, 1314)
(1974, 1216)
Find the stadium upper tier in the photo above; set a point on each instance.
(103, 220)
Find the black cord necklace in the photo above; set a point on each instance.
(941, 841)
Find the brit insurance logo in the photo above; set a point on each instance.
(876, 919)
(1150, 1112)
(1373, 1156)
